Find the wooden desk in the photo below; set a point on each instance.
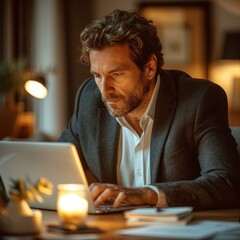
(110, 223)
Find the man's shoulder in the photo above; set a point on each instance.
(186, 85)
(174, 73)
(183, 78)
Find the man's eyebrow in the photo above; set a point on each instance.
(112, 71)
(118, 69)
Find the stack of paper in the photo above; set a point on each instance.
(164, 216)
(195, 230)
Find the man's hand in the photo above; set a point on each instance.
(116, 195)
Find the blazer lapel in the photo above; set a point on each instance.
(108, 136)
(165, 109)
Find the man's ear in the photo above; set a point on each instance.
(151, 67)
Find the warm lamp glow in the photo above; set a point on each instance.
(223, 73)
(78, 204)
(228, 73)
(36, 88)
(72, 205)
(231, 52)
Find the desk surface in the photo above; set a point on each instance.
(110, 223)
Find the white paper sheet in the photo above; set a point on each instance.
(196, 230)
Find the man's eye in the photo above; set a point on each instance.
(118, 74)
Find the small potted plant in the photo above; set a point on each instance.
(18, 218)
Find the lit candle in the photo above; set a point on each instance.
(72, 205)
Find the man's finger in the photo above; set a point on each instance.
(105, 195)
(121, 197)
(96, 190)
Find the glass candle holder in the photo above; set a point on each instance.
(72, 205)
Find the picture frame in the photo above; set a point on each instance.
(184, 31)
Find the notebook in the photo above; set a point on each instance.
(58, 162)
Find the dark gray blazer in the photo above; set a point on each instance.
(194, 157)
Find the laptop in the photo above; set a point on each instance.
(58, 162)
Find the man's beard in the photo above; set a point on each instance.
(133, 100)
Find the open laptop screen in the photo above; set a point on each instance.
(58, 162)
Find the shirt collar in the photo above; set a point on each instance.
(150, 111)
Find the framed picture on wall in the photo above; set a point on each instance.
(177, 44)
(183, 29)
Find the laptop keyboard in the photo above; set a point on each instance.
(121, 208)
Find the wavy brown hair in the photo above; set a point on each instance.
(122, 27)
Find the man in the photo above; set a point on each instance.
(146, 135)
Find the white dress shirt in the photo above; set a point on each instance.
(133, 168)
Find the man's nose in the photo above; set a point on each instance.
(106, 85)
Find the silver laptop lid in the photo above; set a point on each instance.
(58, 162)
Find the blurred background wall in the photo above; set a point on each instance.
(43, 35)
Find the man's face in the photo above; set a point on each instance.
(122, 85)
